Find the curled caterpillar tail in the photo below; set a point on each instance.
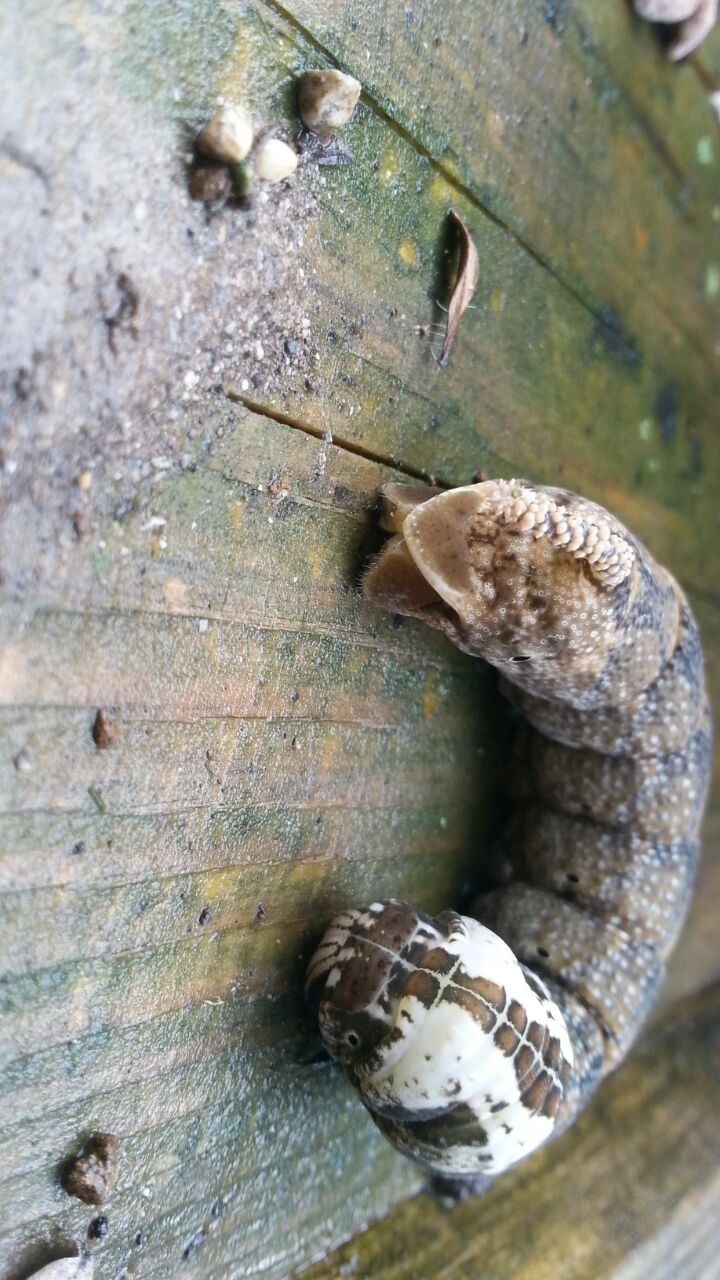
(471, 1041)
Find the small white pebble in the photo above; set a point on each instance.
(202, 625)
(274, 161)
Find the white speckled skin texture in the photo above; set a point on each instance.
(472, 1040)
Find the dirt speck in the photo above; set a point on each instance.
(22, 761)
(91, 1174)
(204, 916)
(193, 1244)
(105, 731)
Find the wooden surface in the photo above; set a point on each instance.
(282, 749)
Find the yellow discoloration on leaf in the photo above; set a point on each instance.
(389, 166)
(407, 253)
(440, 191)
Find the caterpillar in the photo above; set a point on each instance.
(472, 1039)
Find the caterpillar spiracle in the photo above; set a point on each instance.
(472, 1039)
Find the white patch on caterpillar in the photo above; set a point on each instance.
(444, 1058)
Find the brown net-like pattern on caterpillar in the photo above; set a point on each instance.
(472, 1040)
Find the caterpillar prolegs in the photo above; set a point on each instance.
(472, 1040)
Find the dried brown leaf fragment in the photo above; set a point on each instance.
(465, 284)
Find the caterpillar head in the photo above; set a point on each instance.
(538, 581)
(458, 1052)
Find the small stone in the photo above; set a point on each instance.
(291, 347)
(22, 761)
(327, 99)
(98, 1228)
(81, 1266)
(209, 183)
(84, 480)
(92, 1172)
(228, 136)
(274, 161)
(204, 916)
(105, 732)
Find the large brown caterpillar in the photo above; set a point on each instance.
(472, 1040)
